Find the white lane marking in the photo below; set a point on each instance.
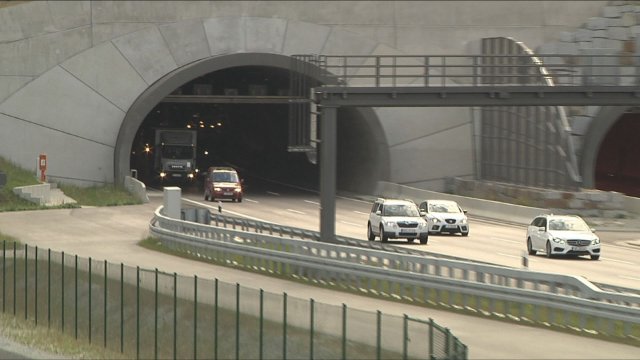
(360, 212)
(251, 201)
(629, 277)
(273, 193)
(620, 261)
(312, 202)
(506, 240)
(509, 255)
(350, 223)
(225, 211)
(296, 211)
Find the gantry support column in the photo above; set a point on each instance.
(328, 158)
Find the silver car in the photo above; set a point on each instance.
(562, 235)
(445, 216)
(396, 219)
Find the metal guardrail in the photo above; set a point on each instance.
(523, 295)
(479, 70)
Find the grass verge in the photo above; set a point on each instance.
(105, 195)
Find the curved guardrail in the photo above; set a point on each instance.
(521, 295)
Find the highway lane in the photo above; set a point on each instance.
(488, 241)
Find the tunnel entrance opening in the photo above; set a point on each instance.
(617, 167)
(252, 136)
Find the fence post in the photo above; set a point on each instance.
(378, 334)
(36, 288)
(284, 327)
(26, 281)
(105, 304)
(311, 310)
(261, 321)
(122, 307)
(75, 294)
(344, 331)
(237, 321)
(14, 279)
(62, 289)
(405, 336)
(137, 312)
(49, 288)
(215, 323)
(175, 315)
(4, 277)
(90, 307)
(431, 338)
(155, 318)
(195, 317)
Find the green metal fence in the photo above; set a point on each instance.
(151, 314)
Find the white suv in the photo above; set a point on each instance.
(396, 219)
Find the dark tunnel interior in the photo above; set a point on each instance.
(254, 137)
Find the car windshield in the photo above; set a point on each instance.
(224, 176)
(400, 210)
(443, 207)
(568, 224)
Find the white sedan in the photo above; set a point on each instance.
(562, 235)
(445, 216)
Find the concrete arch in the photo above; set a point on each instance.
(164, 86)
(90, 103)
(592, 140)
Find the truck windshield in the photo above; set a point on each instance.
(177, 152)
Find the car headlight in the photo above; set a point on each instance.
(463, 221)
(423, 225)
(391, 224)
(238, 190)
(436, 220)
(163, 174)
(595, 241)
(557, 240)
(217, 189)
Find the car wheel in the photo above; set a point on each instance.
(410, 240)
(206, 197)
(465, 233)
(548, 249)
(530, 247)
(595, 257)
(424, 239)
(370, 235)
(384, 238)
(240, 199)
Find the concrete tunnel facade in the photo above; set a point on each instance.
(81, 76)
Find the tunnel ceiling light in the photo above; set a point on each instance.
(188, 126)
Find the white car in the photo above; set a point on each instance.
(445, 216)
(562, 235)
(396, 219)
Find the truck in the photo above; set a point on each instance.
(175, 155)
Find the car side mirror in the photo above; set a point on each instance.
(378, 212)
(542, 229)
(593, 230)
(465, 211)
(423, 213)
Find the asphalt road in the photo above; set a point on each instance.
(112, 233)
